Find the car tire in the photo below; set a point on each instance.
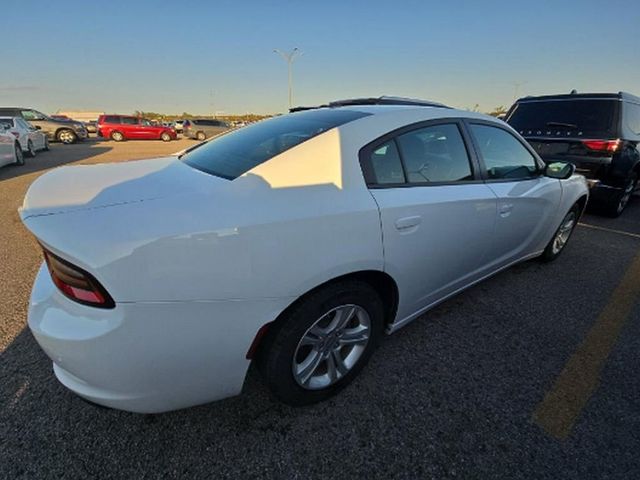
(562, 235)
(117, 136)
(66, 136)
(165, 137)
(201, 136)
(46, 144)
(19, 154)
(304, 359)
(30, 150)
(620, 200)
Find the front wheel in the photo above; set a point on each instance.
(19, 154)
(165, 137)
(67, 136)
(562, 235)
(30, 150)
(46, 144)
(322, 343)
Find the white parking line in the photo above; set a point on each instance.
(610, 230)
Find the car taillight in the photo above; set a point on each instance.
(610, 146)
(77, 284)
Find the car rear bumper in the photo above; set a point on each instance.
(148, 357)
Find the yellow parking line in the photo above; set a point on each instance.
(562, 405)
(610, 230)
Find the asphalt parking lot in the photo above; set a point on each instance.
(531, 374)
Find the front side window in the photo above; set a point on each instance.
(503, 155)
(129, 120)
(237, 152)
(435, 154)
(33, 115)
(145, 122)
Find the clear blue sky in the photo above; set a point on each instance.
(170, 56)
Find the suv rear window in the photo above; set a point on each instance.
(237, 152)
(570, 118)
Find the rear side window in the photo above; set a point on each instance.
(576, 118)
(503, 155)
(111, 119)
(386, 164)
(6, 122)
(129, 120)
(632, 117)
(235, 153)
(435, 154)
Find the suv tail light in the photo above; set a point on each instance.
(77, 284)
(609, 146)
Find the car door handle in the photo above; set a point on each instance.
(505, 209)
(407, 223)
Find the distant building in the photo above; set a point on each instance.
(81, 116)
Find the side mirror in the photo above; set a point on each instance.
(560, 170)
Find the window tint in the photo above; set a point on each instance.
(231, 155)
(585, 118)
(386, 165)
(33, 115)
(435, 154)
(503, 155)
(6, 122)
(632, 116)
(129, 120)
(111, 119)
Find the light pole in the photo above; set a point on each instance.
(516, 89)
(289, 58)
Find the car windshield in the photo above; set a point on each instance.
(237, 152)
(579, 117)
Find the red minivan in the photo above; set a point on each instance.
(124, 127)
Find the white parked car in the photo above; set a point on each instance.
(31, 139)
(10, 150)
(295, 242)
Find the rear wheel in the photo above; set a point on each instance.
(165, 137)
(46, 144)
(117, 136)
(621, 199)
(19, 154)
(562, 235)
(67, 136)
(30, 150)
(321, 345)
(201, 136)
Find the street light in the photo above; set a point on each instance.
(289, 58)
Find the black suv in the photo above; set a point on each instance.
(65, 131)
(598, 132)
(203, 128)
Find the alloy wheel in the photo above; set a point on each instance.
(67, 136)
(331, 347)
(626, 195)
(564, 232)
(19, 155)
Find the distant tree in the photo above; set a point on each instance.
(496, 112)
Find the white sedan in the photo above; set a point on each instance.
(295, 243)
(30, 138)
(10, 150)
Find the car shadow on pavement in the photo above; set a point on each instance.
(57, 156)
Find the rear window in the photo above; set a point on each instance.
(237, 152)
(568, 118)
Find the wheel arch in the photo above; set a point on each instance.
(380, 281)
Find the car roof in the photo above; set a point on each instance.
(582, 96)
